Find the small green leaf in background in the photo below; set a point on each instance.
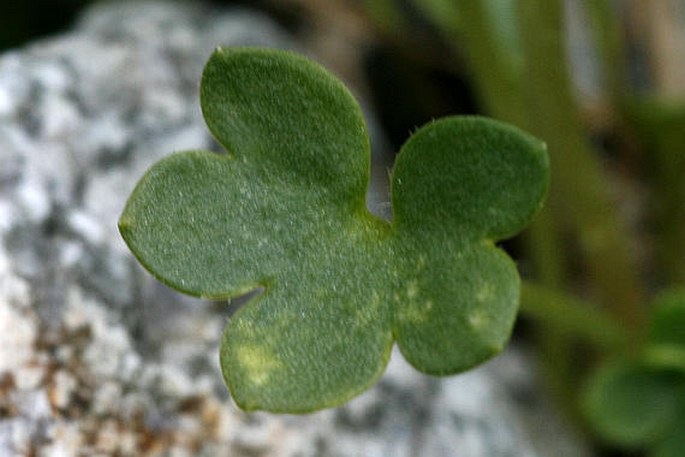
(673, 445)
(632, 405)
(285, 210)
(640, 402)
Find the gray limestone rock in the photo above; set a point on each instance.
(97, 358)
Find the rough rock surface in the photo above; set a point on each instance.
(97, 358)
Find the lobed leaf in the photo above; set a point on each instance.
(284, 210)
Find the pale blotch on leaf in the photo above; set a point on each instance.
(479, 320)
(260, 364)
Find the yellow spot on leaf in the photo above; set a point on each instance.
(478, 320)
(417, 313)
(412, 290)
(259, 363)
(485, 292)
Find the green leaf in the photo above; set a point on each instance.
(674, 444)
(631, 404)
(284, 210)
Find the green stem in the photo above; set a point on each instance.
(607, 36)
(571, 317)
(662, 129)
(578, 191)
(498, 84)
(544, 249)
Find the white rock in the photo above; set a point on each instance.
(18, 326)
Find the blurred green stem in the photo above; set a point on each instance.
(662, 128)
(607, 37)
(578, 190)
(498, 84)
(571, 317)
